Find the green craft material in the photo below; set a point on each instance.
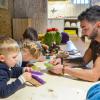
(35, 68)
(48, 65)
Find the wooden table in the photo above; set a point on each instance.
(56, 88)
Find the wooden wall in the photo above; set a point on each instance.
(19, 26)
(35, 9)
(5, 20)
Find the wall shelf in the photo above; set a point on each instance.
(71, 26)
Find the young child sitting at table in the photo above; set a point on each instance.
(31, 34)
(9, 50)
(31, 53)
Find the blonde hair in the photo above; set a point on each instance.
(32, 47)
(8, 45)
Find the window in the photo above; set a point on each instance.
(80, 1)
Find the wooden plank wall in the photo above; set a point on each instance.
(5, 19)
(35, 9)
(19, 26)
(5, 24)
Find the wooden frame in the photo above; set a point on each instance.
(4, 4)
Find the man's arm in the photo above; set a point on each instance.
(86, 74)
(87, 56)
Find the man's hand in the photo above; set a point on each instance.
(58, 69)
(55, 61)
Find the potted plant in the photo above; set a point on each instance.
(53, 39)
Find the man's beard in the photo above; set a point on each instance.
(94, 34)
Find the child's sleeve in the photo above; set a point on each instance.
(16, 72)
(8, 89)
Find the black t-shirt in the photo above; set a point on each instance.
(95, 46)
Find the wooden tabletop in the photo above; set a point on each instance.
(56, 88)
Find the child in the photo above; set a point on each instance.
(9, 50)
(31, 53)
(31, 34)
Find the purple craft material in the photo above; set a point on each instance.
(37, 72)
(38, 79)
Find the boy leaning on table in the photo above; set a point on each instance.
(9, 51)
(90, 24)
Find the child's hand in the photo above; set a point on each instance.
(45, 46)
(41, 59)
(56, 61)
(27, 76)
(27, 69)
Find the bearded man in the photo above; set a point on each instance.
(90, 24)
